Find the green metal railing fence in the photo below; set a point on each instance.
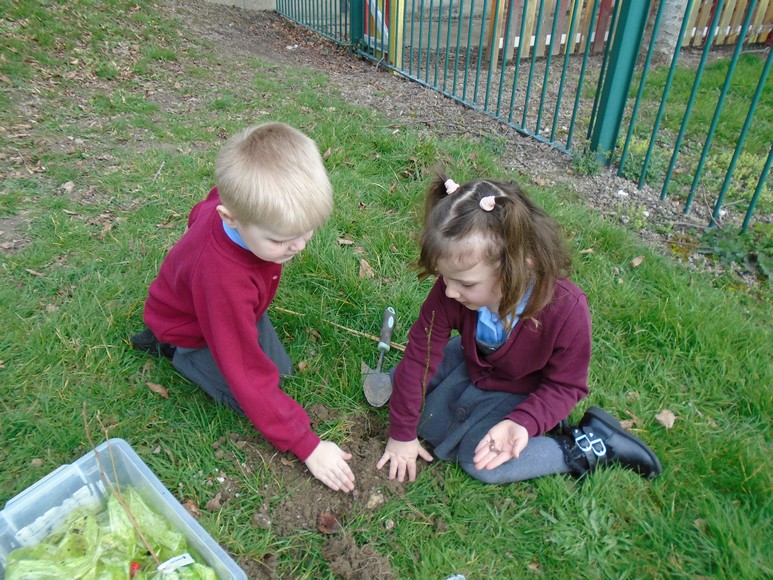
(579, 76)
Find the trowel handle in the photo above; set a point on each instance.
(387, 326)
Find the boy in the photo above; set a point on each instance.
(206, 310)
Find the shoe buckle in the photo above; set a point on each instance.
(586, 444)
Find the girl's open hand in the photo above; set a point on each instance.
(504, 441)
(401, 456)
(328, 464)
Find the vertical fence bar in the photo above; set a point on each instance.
(469, 49)
(548, 59)
(582, 73)
(666, 90)
(508, 34)
(429, 41)
(421, 40)
(742, 138)
(409, 44)
(437, 42)
(757, 192)
(458, 44)
(479, 59)
(448, 42)
(537, 32)
(357, 9)
(492, 50)
(628, 32)
(642, 82)
(604, 63)
(518, 59)
(691, 99)
(576, 6)
(402, 36)
(718, 110)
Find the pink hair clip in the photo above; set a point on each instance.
(451, 186)
(487, 203)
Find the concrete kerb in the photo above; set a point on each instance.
(248, 4)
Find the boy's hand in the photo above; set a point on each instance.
(328, 464)
(504, 441)
(401, 456)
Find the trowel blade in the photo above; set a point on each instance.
(376, 386)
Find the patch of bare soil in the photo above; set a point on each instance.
(307, 504)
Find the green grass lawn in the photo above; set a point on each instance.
(111, 118)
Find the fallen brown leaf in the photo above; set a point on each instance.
(345, 242)
(587, 251)
(666, 418)
(191, 507)
(636, 262)
(158, 389)
(327, 522)
(366, 271)
(214, 504)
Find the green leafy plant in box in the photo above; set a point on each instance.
(105, 544)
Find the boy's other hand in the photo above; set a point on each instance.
(328, 464)
(401, 456)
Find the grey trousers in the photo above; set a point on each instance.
(198, 366)
(457, 415)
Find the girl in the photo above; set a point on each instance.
(520, 362)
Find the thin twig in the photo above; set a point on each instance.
(158, 172)
(373, 337)
(115, 492)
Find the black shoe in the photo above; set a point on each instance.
(147, 342)
(599, 439)
(621, 446)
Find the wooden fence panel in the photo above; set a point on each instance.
(736, 22)
(766, 24)
(727, 31)
(758, 32)
(723, 24)
(562, 30)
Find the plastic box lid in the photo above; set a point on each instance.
(41, 508)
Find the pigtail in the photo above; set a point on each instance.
(435, 193)
(431, 240)
(534, 251)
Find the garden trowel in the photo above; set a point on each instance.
(377, 385)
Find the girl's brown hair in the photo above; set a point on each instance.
(518, 237)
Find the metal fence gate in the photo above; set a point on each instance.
(591, 78)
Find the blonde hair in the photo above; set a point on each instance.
(517, 237)
(273, 175)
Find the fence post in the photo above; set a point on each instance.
(624, 51)
(356, 22)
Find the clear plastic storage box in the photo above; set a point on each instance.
(40, 509)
